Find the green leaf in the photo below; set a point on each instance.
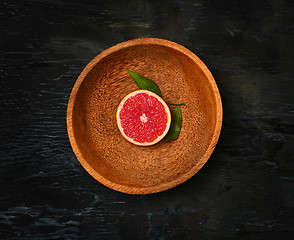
(145, 83)
(176, 124)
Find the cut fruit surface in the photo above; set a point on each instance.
(143, 118)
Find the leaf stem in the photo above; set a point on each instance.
(176, 104)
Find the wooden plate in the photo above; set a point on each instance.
(91, 116)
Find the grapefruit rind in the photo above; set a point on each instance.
(120, 106)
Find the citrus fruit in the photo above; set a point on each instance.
(143, 118)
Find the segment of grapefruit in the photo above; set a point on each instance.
(143, 118)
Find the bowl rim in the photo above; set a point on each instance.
(182, 178)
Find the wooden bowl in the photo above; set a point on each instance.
(91, 116)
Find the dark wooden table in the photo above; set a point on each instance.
(246, 189)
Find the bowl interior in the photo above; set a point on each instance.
(114, 161)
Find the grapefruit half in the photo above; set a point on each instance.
(143, 118)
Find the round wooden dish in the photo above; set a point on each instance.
(91, 116)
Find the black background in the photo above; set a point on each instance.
(246, 189)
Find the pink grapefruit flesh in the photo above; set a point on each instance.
(143, 118)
